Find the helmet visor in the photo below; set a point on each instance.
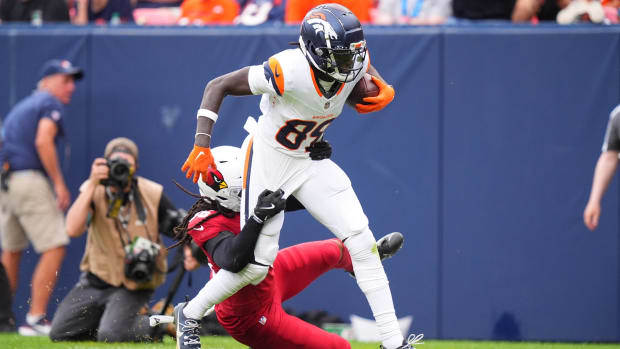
(347, 63)
(344, 60)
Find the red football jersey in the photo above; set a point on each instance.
(250, 299)
(201, 233)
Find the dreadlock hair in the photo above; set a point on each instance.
(180, 231)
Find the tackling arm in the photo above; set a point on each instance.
(233, 252)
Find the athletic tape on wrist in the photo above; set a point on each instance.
(206, 113)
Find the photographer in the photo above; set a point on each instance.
(123, 262)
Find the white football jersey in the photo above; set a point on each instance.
(295, 110)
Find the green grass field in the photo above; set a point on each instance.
(14, 341)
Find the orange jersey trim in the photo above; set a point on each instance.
(278, 74)
(316, 87)
(340, 89)
(246, 163)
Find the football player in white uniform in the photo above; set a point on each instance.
(303, 90)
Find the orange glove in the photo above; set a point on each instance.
(385, 96)
(198, 162)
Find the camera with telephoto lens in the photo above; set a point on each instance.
(120, 173)
(140, 257)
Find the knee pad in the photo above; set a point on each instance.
(254, 273)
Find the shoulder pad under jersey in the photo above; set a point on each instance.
(198, 217)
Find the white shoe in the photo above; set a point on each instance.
(32, 331)
(35, 326)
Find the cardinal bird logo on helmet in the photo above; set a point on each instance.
(223, 186)
(215, 180)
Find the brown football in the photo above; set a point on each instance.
(364, 88)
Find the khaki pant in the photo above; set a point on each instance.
(28, 212)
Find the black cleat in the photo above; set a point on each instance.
(389, 245)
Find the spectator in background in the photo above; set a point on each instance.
(611, 10)
(158, 3)
(260, 11)
(514, 10)
(103, 11)
(31, 133)
(483, 9)
(29, 10)
(200, 12)
(416, 12)
(582, 11)
(296, 10)
(122, 263)
(604, 170)
(7, 319)
(549, 9)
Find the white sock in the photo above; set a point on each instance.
(32, 319)
(223, 285)
(393, 342)
(372, 280)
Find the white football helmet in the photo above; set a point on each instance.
(224, 184)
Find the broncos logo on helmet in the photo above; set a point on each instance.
(332, 40)
(321, 25)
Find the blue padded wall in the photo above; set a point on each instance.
(484, 161)
(524, 120)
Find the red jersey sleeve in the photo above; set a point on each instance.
(201, 232)
(202, 229)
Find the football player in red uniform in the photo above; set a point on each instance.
(254, 315)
